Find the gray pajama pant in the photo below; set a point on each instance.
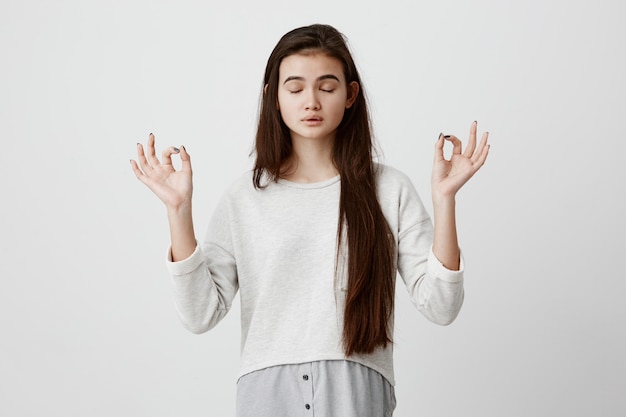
(337, 388)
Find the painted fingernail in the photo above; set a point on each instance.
(176, 150)
(447, 136)
(184, 149)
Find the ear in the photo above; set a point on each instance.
(353, 93)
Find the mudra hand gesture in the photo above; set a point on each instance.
(449, 176)
(173, 187)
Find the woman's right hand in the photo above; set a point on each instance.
(173, 187)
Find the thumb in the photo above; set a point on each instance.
(439, 148)
(185, 159)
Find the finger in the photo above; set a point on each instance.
(186, 160)
(138, 172)
(166, 155)
(456, 143)
(471, 143)
(154, 161)
(482, 158)
(481, 148)
(439, 148)
(143, 161)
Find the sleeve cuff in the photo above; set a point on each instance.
(184, 266)
(437, 269)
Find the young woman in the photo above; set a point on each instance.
(312, 238)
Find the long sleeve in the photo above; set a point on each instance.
(205, 284)
(434, 290)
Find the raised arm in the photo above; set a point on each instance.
(448, 177)
(172, 187)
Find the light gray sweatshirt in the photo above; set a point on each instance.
(277, 246)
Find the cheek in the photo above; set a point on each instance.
(285, 110)
(341, 101)
(339, 108)
(284, 101)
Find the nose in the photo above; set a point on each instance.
(311, 101)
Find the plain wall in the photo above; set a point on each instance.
(87, 321)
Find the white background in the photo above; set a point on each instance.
(87, 323)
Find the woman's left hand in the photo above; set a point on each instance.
(449, 175)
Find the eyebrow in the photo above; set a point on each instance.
(320, 78)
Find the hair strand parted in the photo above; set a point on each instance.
(371, 248)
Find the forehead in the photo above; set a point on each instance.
(310, 66)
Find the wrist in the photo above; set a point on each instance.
(179, 211)
(443, 200)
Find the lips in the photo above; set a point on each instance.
(312, 119)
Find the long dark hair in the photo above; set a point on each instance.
(371, 248)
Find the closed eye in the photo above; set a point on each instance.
(294, 91)
(327, 90)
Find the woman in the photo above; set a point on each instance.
(312, 238)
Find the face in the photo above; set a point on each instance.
(313, 95)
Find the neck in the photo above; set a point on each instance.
(311, 161)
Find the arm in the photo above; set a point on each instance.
(204, 281)
(447, 178)
(174, 189)
(429, 258)
(436, 291)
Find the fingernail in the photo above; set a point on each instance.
(184, 149)
(138, 143)
(447, 136)
(176, 150)
(150, 134)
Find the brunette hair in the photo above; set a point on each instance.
(371, 248)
